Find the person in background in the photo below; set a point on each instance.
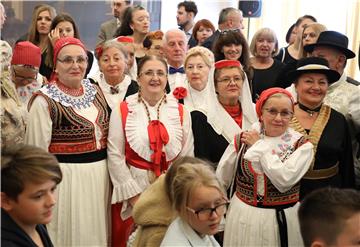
(175, 48)
(24, 71)
(108, 28)
(12, 117)
(147, 133)
(131, 68)
(40, 26)
(202, 30)
(29, 177)
(63, 25)
(114, 82)
(264, 45)
(323, 126)
(262, 168)
(229, 19)
(135, 24)
(153, 43)
(232, 45)
(69, 117)
(200, 202)
(310, 35)
(290, 54)
(185, 15)
(2, 17)
(330, 217)
(291, 34)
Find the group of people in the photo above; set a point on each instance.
(125, 139)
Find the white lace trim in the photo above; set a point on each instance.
(81, 102)
(137, 123)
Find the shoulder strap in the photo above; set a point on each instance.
(124, 112)
(283, 54)
(181, 113)
(237, 142)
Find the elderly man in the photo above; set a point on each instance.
(108, 28)
(23, 72)
(344, 94)
(175, 48)
(229, 18)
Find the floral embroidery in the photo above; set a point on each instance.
(81, 102)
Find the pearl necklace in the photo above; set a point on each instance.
(157, 110)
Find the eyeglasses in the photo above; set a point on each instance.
(227, 80)
(204, 214)
(226, 31)
(68, 60)
(151, 73)
(21, 79)
(283, 114)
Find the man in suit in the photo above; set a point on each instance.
(185, 17)
(229, 18)
(108, 28)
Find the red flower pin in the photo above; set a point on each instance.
(180, 93)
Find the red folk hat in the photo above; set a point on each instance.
(26, 53)
(125, 39)
(62, 42)
(227, 63)
(266, 94)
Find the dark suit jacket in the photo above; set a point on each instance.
(209, 42)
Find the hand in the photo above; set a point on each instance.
(250, 137)
(54, 35)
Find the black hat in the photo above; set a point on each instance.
(334, 39)
(313, 65)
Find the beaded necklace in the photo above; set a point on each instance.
(157, 110)
(75, 92)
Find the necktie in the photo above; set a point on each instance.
(114, 90)
(173, 70)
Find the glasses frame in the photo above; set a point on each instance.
(73, 60)
(287, 117)
(212, 210)
(21, 79)
(231, 79)
(153, 74)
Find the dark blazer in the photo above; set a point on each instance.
(13, 236)
(209, 42)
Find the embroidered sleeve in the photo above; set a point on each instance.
(284, 174)
(124, 185)
(39, 126)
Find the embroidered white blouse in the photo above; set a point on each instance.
(265, 160)
(128, 181)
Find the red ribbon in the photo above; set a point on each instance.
(180, 93)
(158, 137)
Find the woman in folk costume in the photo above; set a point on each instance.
(113, 80)
(147, 132)
(69, 117)
(224, 113)
(265, 165)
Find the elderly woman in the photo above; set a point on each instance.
(326, 128)
(200, 201)
(63, 25)
(263, 47)
(147, 132)
(69, 117)
(115, 84)
(264, 166)
(153, 43)
(136, 24)
(232, 45)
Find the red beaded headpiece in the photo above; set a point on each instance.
(227, 63)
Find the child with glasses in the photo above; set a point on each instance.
(264, 166)
(200, 202)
